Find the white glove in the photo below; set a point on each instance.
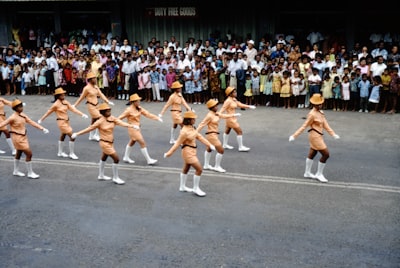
(73, 105)
(39, 121)
(237, 114)
(252, 107)
(160, 115)
(24, 104)
(160, 119)
(165, 155)
(45, 131)
(291, 138)
(111, 103)
(85, 116)
(336, 136)
(192, 110)
(135, 127)
(212, 147)
(73, 136)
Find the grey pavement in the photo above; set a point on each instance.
(260, 213)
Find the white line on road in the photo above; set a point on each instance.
(229, 175)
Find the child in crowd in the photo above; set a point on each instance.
(336, 92)
(374, 97)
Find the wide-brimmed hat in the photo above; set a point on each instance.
(229, 90)
(176, 85)
(15, 103)
(134, 97)
(90, 75)
(189, 114)
(211, 103)
(317, 99)
(59, 91)
(103, 106)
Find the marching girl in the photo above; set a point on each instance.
(60, 107)
(91, 92)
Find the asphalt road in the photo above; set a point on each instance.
(260, 213)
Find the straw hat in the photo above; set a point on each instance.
(211, 103)
(134, 97)
(189, 114)
(317, 99)
(59, 91)
(15, 103)
(229, 90)
(90, 75)
(103, 106)
(176, 85)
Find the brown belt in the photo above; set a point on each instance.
(92, 103)
(212, 132)
(184, 145)
(107, 141)
(313, 129)
(18, 133)
(176, 111)
(63, 119)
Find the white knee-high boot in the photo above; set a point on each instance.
(96, 135)
(225, 139)
(207, 157)
(61, 149)
(319, 175)
(182, 185)
(31, 174)
(16, 169)
(127, 159)
(72, 154)
(11, 145)
(172, 139)
(242, 148)
(307, 172)
(218, 159)
(150, 161)
(196, 187)
(101, 176)
(116, 178)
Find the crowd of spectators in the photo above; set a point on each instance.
(277, 73)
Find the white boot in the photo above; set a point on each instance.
(31, 174)
(319, 176)
(150, 161)
(2, 152)
(207, 157)
(225, 144)
(11, 145)
(96, 135)
(127, 159)
(218, 159)
(182, 186)
(16, 169)
(242, 148)
(61, 149)
(172, 139)
(307, 172)
(116, 178)
(196, 188)
(101, 176)
(72, 154)
(91, 133)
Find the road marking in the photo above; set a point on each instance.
(229, 175)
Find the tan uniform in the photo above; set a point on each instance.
(175, 100)
(187, 139)
(106, 131)
(91, 94)
(211, 120)
(132, 114)
(317, 122)
(61, 109)
(3, 102)
(17, 122)
(229, 106)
